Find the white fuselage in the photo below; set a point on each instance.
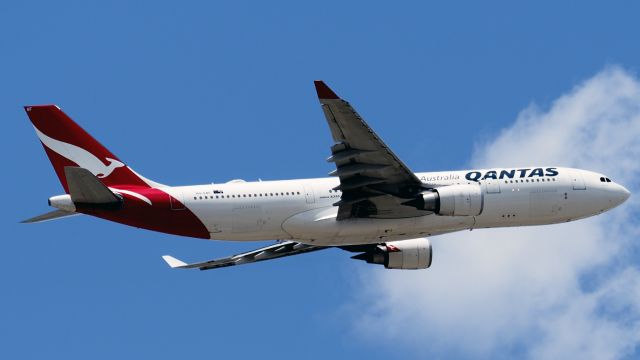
(303, 209)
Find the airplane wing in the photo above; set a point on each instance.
(277, 250)
(374, 182)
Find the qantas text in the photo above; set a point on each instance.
(512, 173)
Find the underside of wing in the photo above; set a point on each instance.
(407, 254)
(280, 249)
(374, 182)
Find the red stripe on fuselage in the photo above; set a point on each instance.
(159, 216)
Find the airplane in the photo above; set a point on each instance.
(373, 205)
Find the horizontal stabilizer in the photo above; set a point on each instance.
(87, 189)
(53, 215)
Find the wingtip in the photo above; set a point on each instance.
(28, 108)
(173, 262)
(324, 92)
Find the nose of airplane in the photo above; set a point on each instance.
(619, 194)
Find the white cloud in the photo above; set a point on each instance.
(550, 292)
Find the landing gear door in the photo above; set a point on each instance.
(577, 181)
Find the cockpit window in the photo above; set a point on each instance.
(602, 179)
(605, 179)
(608, 180)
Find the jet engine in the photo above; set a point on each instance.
(405, 254)
(452, 200)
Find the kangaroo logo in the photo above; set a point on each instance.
(80, 156)
(132, 193)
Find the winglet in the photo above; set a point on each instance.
(173, 262)
(324, 92)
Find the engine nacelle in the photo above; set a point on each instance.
(405, 254)
(452, 200)
(62, 202)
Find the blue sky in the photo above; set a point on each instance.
(198, 92)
